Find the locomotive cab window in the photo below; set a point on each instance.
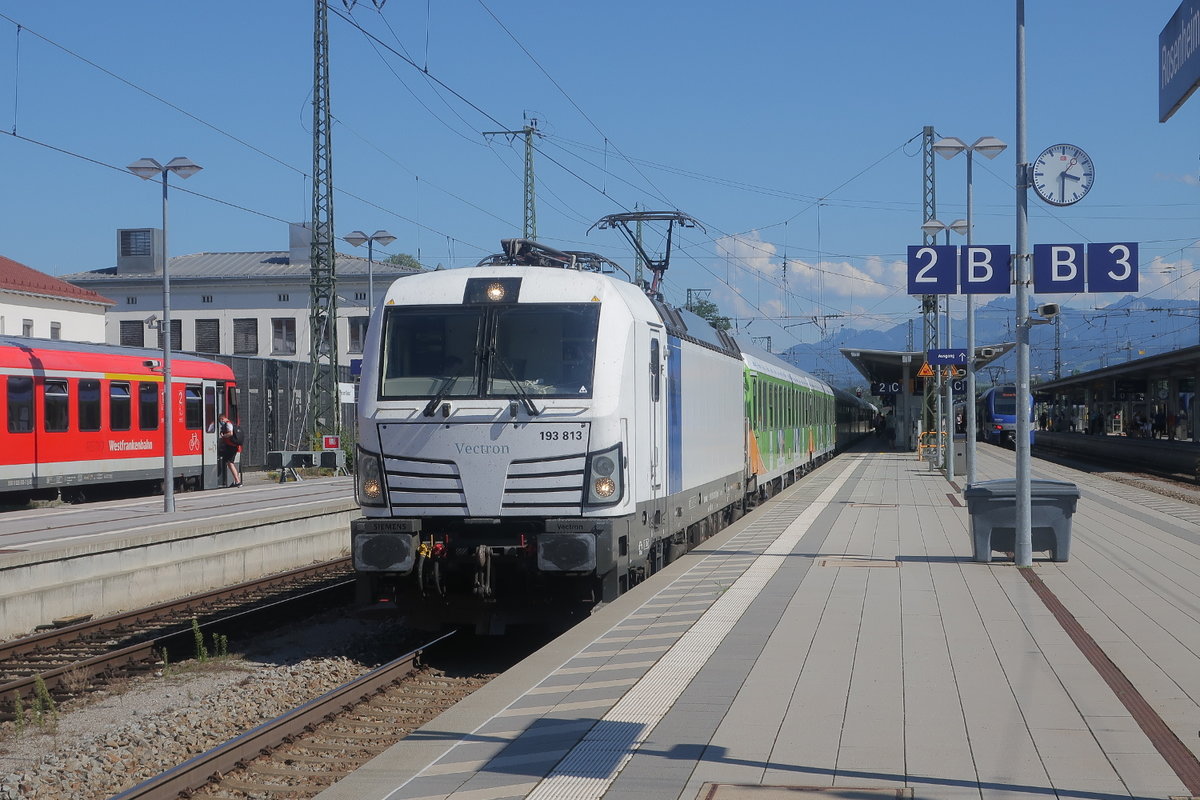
(489, 351)
(547, 349)
(430, 351)
(56, 407)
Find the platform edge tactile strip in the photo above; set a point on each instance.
(591, 766)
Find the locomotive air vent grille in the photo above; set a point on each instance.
(419, 483)
(545, 485)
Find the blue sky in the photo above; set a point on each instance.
(790, 129)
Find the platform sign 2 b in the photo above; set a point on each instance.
(1094, 268)
(942, 269)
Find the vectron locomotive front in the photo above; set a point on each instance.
(522, 446)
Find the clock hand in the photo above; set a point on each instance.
(1069, 175)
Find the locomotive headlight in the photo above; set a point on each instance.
(603, 480)
(495, 292)
(369, 483)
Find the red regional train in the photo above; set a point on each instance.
(86, 420)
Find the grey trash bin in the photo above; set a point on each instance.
(993, 509)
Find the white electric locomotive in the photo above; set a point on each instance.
(537, 436)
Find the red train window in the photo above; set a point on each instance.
(193, 409)
(119, 407)
(148, 406)
(20, 404)
(56, 406)
(89, 405)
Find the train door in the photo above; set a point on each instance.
(210, 469)
(657, 402)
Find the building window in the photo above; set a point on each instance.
(283, 336)
(358, 333)
(360, 295)
(136, 242)
(55, 330)
(206, 298)
(119, 407)
(245, 337)
(283, 298)
(208, 336)
(132, 333)
(176, 335)
(27, 327)
(57, 406)
(131, 301)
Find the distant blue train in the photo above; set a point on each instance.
(996, 415)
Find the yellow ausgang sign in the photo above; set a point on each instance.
(925, 371)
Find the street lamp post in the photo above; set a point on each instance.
(358, 238)
(989, 147)
(147, 168)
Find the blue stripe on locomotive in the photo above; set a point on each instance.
(674, 416)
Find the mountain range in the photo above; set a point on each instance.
(1078, 341)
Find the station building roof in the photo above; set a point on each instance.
(1184, 363)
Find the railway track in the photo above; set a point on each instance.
(302, 752)
(72, 658)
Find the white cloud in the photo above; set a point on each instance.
(756, 281)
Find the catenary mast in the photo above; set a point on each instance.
(323, 403)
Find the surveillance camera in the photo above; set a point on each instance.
(1048, 310)
(152, 363)
(985, 352)
(150, 320)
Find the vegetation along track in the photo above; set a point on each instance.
(71, 659)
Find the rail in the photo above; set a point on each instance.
(198, 771)
(162, 615)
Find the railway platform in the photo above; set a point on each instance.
(841, 641)
(101, 558)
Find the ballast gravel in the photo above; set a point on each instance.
(105, 747)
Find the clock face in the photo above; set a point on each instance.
(1063, 174)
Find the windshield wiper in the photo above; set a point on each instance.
(440, 395)
(524, 395)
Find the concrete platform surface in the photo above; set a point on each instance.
(841, 642)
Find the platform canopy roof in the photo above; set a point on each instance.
(887, 366)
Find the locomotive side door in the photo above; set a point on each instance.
(657, 404)
(210, 473)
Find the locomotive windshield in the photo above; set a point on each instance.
(1006, 403)
(506, 351)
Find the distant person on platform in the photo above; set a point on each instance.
(228, 447)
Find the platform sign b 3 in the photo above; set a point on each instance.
(1094, 268)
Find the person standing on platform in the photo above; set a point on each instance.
(228, 446)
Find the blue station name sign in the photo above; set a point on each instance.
(1057, 268)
